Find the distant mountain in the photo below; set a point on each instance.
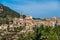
(7, 12)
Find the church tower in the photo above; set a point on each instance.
(21, 16)
(21, 20)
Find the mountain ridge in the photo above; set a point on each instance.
(7, 11)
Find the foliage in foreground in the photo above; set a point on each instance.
(42, 33)
(38, 33)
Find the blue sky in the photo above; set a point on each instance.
(35, 8)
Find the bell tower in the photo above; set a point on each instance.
(21, 20)
(21, 15)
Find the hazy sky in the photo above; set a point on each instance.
(35, 8)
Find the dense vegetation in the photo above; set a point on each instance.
(38, 33)
(42, 33)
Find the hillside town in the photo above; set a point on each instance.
(28, 22)
(17, 28)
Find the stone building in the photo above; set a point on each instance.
(21, 21)
(15, 20)
(58, 21)
(37, 23)
(50, 21)
(4, 26)
(28, 22)
(18, 21)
